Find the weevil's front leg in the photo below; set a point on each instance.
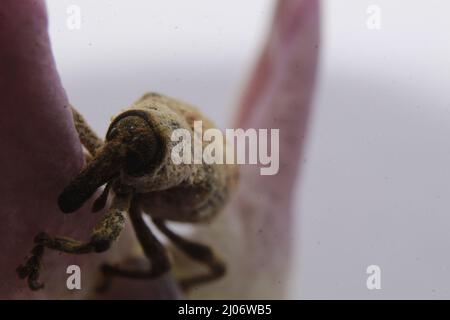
(198, 252)
(107, 231)
(153, 249)
(88, 137)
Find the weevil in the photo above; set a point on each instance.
(134, 163)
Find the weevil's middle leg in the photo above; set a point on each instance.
(153, 249)
(92, 143)
(107, 231)
(88, 137)
(198, 252)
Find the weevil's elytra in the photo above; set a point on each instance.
(135, 163)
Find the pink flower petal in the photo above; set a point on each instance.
(255, 234)
(40, 154)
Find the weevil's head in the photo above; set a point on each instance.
(132, 147)
(138, 146)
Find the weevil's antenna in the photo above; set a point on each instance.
(104, 167)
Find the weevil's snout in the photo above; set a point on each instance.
(131, 146)
(105, 166)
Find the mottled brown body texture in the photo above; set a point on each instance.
(135, 163)
(188, 193)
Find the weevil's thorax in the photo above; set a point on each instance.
(161, 173)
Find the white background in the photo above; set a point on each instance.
(376, 178)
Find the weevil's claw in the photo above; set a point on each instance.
(106, 281)
(31, 271)
(23, 271)
(185, 286)
(103, 287)
(34, 284)
(33, 265)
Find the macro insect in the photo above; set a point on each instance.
(134, 163)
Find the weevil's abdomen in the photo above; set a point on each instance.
(199, 199)
(180, 192)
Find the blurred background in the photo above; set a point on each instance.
(376, 177)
